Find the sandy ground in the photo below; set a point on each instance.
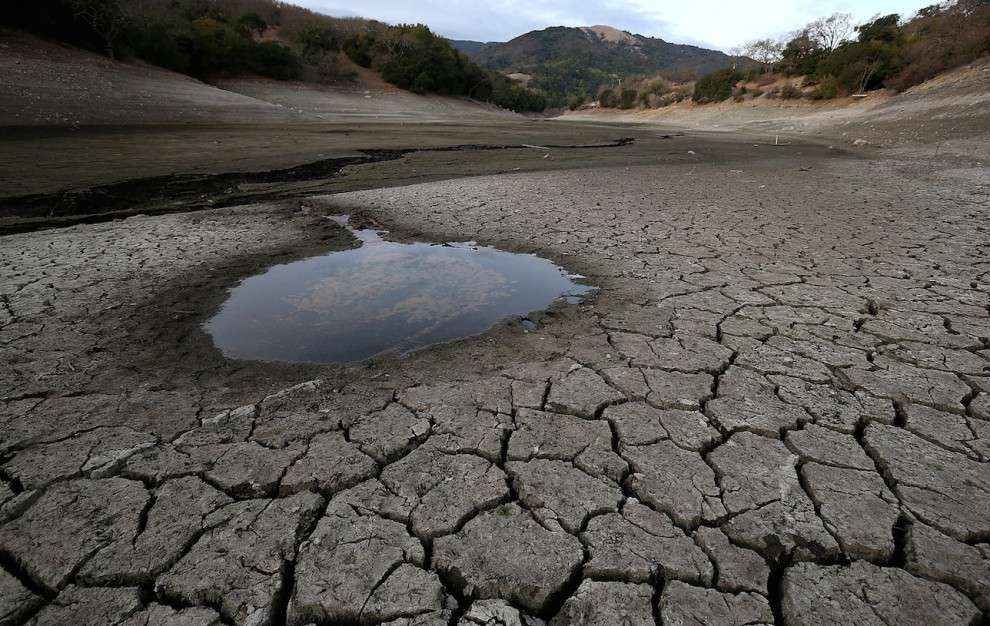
(47, 84)
(950, 114)
(775, 410)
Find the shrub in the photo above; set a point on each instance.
(577, 102)
(941, 38)
(607, 98)
(716, 87)
(274, 61)
(513, 96)
(217, 48)
(790, 91)
(828, 87)
(766, 79)
(330, 70)
(627, 99)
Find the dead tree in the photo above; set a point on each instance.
(105, 17)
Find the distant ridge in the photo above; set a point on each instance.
(566, 62)
(470, 48)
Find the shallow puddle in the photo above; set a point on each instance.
(383, 297)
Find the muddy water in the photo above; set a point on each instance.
(383, 297)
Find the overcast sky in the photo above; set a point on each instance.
(704, 22)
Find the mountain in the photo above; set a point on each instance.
(566, 62)
(470, 48)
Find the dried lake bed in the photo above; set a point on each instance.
(774, 409)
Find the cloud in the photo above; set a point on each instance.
(705, 22)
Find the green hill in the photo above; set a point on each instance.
(566, 62)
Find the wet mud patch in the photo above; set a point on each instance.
(383, 297)
(181, 193)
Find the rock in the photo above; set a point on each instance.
(683, 605)
(857, 508)
(505, 554)
(739, 569)
(239, 564)
(640, 544)
(866, 594)
(557, 491)
(675, 481)
(581, 392)
(329, 465)
(444, 490)
(51, 545)
(943, 489)
(607, 603)
(761, 490)
(496, 613)
(177, 515)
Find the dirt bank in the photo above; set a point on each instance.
(950, 113)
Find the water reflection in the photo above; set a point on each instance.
(384, 296)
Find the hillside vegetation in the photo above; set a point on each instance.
(223, 38)
(573, 63)
(831, 57)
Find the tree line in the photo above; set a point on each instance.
(216, 38)
(830, 57)
(840, 58)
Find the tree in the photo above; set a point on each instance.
(105, 17)
(830, 32)
(716, 87)
(607, 98)
(252, 22)
(765, 51)
(801, 55)
(627, 99)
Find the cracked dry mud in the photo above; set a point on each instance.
(775, 410)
